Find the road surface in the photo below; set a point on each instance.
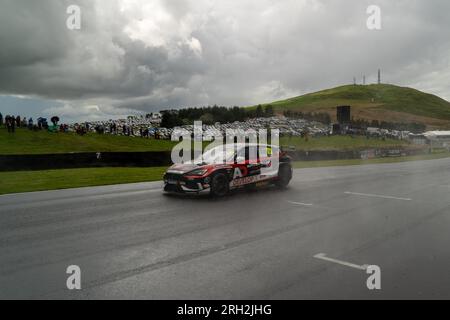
(312, 241)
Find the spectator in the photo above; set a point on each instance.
(18, 121)
(8, 123)
(12, 125)
(55, 120)
(100, 129)
(30, 124)
(1, 119)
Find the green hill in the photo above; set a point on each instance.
(43, 142)
(375, 102)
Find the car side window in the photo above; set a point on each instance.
(240, 155)
(252, 154)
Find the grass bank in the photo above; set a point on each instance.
(27, 181)
(355, 162)
(24, 141)
(340, 143)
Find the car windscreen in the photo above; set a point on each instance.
(218, 155)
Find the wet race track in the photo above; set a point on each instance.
(313, 240)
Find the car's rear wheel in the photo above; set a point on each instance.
(220, 185)
(284, 176)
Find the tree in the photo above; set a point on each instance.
(171, 119)
(269, 111)
(207, 119)
(259, 111)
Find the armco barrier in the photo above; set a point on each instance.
(323, 155)
(83, 160)
(156, 159)
(354, 154)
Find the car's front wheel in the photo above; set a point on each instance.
(284, 176)
(220, 185)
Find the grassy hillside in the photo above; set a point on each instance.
(340, 143)
(42, 142)
(375, 102)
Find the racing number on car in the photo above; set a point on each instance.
(240, 172)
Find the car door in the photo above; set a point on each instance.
(267, 159)
(252, 160)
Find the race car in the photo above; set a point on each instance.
(223, 169)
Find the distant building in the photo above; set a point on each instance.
(418, 139)
(343, 114)
(438, 139)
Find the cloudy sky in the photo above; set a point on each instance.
(132, 56)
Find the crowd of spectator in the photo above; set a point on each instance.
(151, 126)
(11, 123)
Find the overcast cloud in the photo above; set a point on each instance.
(148, 55)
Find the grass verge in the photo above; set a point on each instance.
(341, 143)
(355, 162)
(27, 181)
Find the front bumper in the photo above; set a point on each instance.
(177, 183)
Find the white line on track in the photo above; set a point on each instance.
(377, 196)
(301, 204)
(323, 256)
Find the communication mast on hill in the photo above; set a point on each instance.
(379, 76)
(364, 80)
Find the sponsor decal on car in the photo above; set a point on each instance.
(248, 180)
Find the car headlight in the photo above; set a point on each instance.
(197, 172)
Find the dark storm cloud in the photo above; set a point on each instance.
(149, 55)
